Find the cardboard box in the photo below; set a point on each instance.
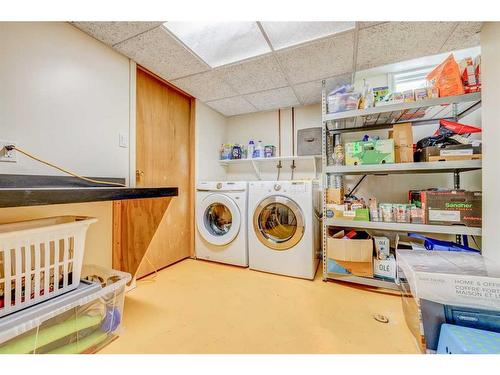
(408, 96)
(403, 142)
(421, 94)
(358, 214)
(382, 247)
(335, 196)
(385, 268)
(426, 153)
(380, 93)
(350, 256)
(448, 207)
(370, 152)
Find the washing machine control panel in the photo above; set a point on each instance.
(284, 187)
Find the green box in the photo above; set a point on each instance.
(370, 152)
(358, 214)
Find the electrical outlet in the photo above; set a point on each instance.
(123, 140)
(7, 155)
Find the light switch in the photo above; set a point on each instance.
(123, 140)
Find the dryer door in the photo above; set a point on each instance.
(278, 222)
(218, 219)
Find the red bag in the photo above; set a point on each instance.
(447, 78)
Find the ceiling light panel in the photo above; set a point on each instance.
(286, 34)
(221, 43)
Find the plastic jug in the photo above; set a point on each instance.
(250, 150)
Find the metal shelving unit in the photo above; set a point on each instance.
(418, 112)
(405, 227)
(383, 117)
(406, 168)
(257, 163)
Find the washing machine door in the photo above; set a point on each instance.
(218, 219)
(278, 222)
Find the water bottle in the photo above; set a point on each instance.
(259, 150)
(250, 149)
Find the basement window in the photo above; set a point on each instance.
(410, 79)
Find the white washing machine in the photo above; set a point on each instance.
(284, 229)
(221, 221)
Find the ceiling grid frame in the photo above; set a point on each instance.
(462, 33)
(273, 52)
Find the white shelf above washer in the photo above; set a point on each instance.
(256, 163)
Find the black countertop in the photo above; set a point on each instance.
(17, 197)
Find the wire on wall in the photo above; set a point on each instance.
(26, 153)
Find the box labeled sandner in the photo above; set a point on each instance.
(370, 152)
(448, 207)
(350, 256)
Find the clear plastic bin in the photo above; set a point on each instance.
(446, 287)
(343, 102)
(81, 321)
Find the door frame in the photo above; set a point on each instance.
(131, 180)
(192, 135)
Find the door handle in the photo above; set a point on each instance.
(139, 173)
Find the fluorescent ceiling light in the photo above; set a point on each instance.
(221, 43)
(286, 34)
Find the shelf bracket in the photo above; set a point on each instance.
(456, 185)
(256, 170)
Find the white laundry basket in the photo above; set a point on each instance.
(40, 259)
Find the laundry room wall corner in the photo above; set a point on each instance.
(210, 133)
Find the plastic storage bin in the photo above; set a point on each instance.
(464, 340)
(40, 259)
(343, 102)
(81, 321)
(445, 287)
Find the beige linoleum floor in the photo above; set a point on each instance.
(202, 307)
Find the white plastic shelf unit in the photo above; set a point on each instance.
(383, 117)
(258, 162)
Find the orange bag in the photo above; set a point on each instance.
(446, 77)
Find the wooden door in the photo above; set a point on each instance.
(165, 157)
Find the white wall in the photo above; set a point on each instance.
(64, 96)
(490, 44)
(264, 126)
(210, 133)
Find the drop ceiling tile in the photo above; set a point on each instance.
(365, 24)
(263, 73)
(114, 32)
(316, 60)
(286, 34)
(232, 106)
(158, 51)
(206, 86)
(397, 41)
(273, 99)
(465, 35)
(310, 92)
